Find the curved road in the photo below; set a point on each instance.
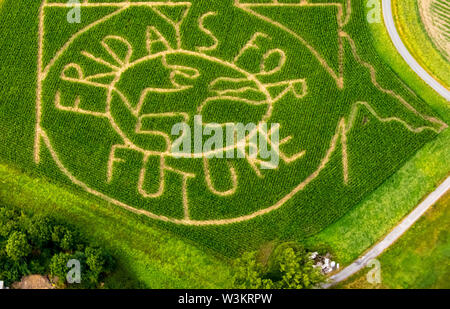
(407, 222)
(401, 48)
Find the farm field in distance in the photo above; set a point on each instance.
(91, 110)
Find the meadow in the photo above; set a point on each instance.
(419, 260)
(356, 124)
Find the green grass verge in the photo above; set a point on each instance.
(386, 50)
(153, 258)
(419, 259)
(412, 31)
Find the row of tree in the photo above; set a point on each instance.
(40, 245)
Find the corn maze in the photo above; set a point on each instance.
(110, 88)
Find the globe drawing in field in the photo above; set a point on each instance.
(110, 92)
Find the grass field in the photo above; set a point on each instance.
(413, 31)
(350, 148)
(419, 260)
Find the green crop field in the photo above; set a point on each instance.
(91, 105)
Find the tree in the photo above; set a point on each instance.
(288, 267)
(17, 246)
(297, 270)
(249, 273)
(58, 266)
(98, 262)
(40, 230)
(10, 271)
(63, 237)
(8, 222)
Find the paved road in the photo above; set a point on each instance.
(398, 231)
(401, 48)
